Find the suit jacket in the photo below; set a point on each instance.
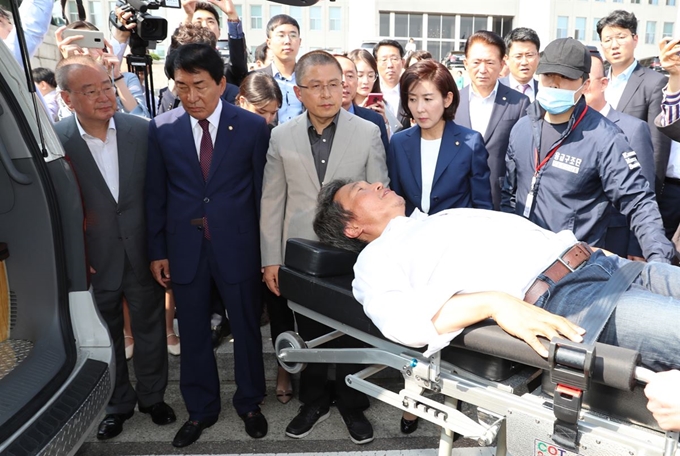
(509, 106)
(176, 193)
(113, 230)
(291, 184)
(506, 81)
(374, 117)
(641, 98)
(461, 176)
(672, 131)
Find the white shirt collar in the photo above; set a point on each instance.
(83, 133)
(492, 95)
(213, 118)
(625, 74)
(605, 111)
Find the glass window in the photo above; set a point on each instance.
(434, 24)
(618, 1)
(256, 17)
(465, 27)
(239, 10)
(670, 2)
(479, 24)
(562, 27)
(415, 25)
(667, 30)
(635, 1)
(448, 26)
(653, 2)
(296, 13)
(434, 48)
(595, 37)
(385, 24)
(580, 29)
(335, 18)
(650, 35)
(400, 24)
(315, 18)
(275, 10)
(95, 14)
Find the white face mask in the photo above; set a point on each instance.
(557, 101)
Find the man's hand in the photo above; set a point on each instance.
(227, 6)
(110, 61)
(664, 399)
(66, 46)
(189, 7)
(271, 278)
(527, 322)
(161, 272)
(670, 61)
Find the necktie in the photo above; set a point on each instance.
(525, 87)
(204, 159)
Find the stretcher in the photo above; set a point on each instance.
(584, 400)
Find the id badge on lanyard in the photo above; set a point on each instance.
(530, 197)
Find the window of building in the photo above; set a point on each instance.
(650, 35)
(562, 26)
(440, 34)
(470, 24)
(95, 14)
(335, 18)
(384, 24)
(315, 18)
(239, 10)
(405, 26)
(600, 1)
(653, 2)
(275, 10)
(667, 30)
(595, 37)
(502, 25)
(670, 2)
(580, 29)
(256, 17)
(618, 1)
(635, 1)
(296, 13)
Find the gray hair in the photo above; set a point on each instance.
(331, 219)
(311, 59)
(67, 66)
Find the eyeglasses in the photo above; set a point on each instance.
(93, 94)
(282, 36)
(622, 38)
(318, 88)
(392, 58)
(370, 76)
(529, 56)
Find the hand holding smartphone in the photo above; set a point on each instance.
(373, 98)
(90, 38)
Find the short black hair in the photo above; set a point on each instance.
(261, 52)
(281, 19)
(191, 33)
(392, 43)
(41, 74)
(331, 219)
(619, 19)
(485, 36)
(522, 34)
(205, 6)
(194, 57)
(5, 14)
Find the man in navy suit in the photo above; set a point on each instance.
(619, 238)
(203, 186)
(350, 82)
(487, 106)
(522, 46)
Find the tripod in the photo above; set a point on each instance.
(141, 64)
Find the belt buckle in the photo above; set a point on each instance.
(566, 265)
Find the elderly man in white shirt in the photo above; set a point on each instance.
(422, 279)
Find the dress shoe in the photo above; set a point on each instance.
(191, 431)
(112, 425)
(256, 424)
(308, 416)
(219, 332)
(173, 349)
(408, 426)
(161, 413)
(360, 429)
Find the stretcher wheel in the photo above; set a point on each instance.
(290, 339)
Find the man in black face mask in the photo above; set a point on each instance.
(566, 162)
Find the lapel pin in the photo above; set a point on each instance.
(230, 127)
(504, 98)
(457, 143)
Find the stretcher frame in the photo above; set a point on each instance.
(521, 421)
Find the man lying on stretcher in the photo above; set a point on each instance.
(422, 279)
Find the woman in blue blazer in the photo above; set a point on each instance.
(436, 164)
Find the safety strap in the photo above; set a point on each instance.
(568, 398)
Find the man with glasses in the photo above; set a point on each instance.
(389, 55)
(522, 46)
(283, 42)
(108, 151)
(637, 91)
(316, 147)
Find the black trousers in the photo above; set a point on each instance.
(669, 206)
(281, 318)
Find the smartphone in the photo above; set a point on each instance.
(373, 98)
(91, 38)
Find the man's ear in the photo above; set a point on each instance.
(352, 231)
(298, 93)
(66, 96)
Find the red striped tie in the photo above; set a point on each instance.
(205, 157)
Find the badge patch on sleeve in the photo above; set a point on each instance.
(631, 159)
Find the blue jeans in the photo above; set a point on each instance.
(646, 316)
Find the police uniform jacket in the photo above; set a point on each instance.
(593, 166)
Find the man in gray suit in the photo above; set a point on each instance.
(108, 153)
(323, 144)
(637, 91)
(487, 106)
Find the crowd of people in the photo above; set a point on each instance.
(190, 211)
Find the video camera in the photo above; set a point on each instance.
(149, 28)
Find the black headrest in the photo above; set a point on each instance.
(318, 259)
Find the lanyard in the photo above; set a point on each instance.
(538, 166)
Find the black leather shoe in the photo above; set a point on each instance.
(191, 431)
(308, 416)
(219, 332)
(256, 424)
(408, 426)
(161, 413)
(360, 429)
(112, 425)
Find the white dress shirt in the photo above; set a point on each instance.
(429, 152)
(481, 109)
(404, 277)
(197, 131)
(105, 154)
(518, 86)
(617, 85)
(392, 98)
